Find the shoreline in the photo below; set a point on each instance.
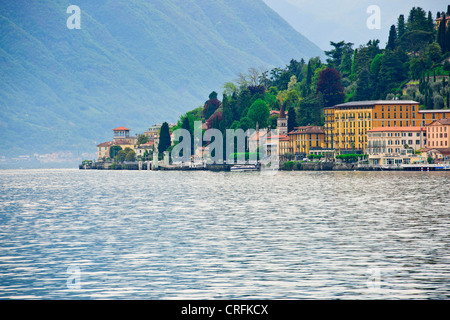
(285, 166)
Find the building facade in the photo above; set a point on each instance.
(347, 124)
(438, 134)
(383, 140)
(306, 138)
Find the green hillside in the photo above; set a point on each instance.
(132, 63)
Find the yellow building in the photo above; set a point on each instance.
(103, 150)
(346, 124)
(121, 138)
(303, 139)
(277, 145)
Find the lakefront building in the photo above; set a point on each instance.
(304, 139)
(347, 124)
(395, 145)
(121, 137)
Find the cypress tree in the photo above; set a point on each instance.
(430, 23)
(164, 138)
(392, 37)
(442, 34)
(448, 99)
(401, 29)
(309, 75)
(447, 41)
(292, 119)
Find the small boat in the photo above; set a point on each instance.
(244, 167)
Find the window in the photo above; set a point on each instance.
(413, 108)
(410, 134)
(389, 108)
(417, 141)
(400, 110)
(413, 115)
(375, 115)
(395, 116)
(401, 116)
(382, 123)
(433, 115)
(410, 142)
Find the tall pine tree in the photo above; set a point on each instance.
(292, 119)
(441, 36)
(164, 138)
(392, 37)
(401, 28)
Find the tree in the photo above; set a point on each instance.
(164, 138)
(131, 156)
(416, 41)
(401, 28)
(113, 151)
(259, 113)
(335, 55)
(211, 105)
(121, 155)
(363, 88)
(292, 83)
(142, 138)
(330, 87)
(292, 119)
(441, 36)
(434, 52)
(392, 38)
(417, 67)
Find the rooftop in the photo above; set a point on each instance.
(396, 129)
(121, 129)
(434, 111)
(444, 122)
(370, 103)
(307, 129)
(105, 144)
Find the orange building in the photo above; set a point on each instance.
(303, 139)
(438, 134)
(347, 124)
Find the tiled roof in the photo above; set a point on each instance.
(373, 103)
(121, 129)
(280, 137)
(444, 122)
(443, 151)
(396, 129)
(105, 144)
(307, 129)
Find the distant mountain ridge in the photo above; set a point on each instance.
(132, 63)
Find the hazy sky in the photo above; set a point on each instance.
(323, 21)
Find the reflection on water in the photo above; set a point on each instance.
(69, 234)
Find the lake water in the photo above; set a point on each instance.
(81, 234)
